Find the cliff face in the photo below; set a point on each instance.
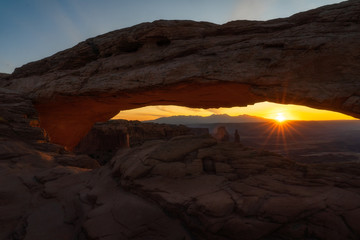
(104, 139)
(311, 58)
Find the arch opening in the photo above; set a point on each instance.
(294, 131)
(66, 119)
(267, 110)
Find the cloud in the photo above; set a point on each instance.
(166, 109)
(215, 110)
(179, 110)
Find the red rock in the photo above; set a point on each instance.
(104, 139)
(222, 134)
(309, 59)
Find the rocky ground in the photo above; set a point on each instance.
(188, 187)
(229, 191)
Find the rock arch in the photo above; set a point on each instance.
(310, 58)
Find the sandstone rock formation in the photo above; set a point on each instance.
(311, 58)
(48, 193)
(105, 138)
(253, 194)
(222, 134)
(188, 187)
(236, 136)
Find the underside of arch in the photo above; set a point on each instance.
(67, 119)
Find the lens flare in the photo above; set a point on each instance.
(280, 117)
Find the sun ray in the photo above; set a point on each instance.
(280, 117)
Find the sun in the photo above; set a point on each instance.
(280, 117)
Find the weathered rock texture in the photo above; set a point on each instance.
(209, 190)
(228, 191)
(311, 58)
(105, 138)
(188, 187)
(48, 193)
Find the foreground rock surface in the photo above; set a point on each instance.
(228, 191)
(311, 58)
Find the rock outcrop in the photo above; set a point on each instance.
(23, 142)
(105, 138)
(310, 58)
(49, 193)
(221, 134)
(236, 136)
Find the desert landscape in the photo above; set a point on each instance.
(70, 172)
(302, 141)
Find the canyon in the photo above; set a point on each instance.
(182, 186)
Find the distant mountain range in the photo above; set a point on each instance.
(215, 118)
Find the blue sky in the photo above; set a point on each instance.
(34, 29)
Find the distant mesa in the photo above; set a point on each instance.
(215, 118)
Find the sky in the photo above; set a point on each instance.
(33, 29)
(265, 110)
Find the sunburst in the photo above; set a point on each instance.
(284, 130)
(280, 117)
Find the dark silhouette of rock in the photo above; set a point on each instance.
(222, 134)
(105, 138)
(309, 59)
(236, 136)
